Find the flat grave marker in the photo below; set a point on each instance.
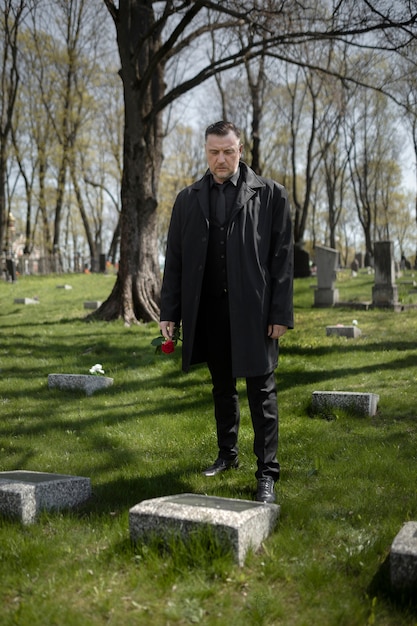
(239, 525)
(360, 403)
(340, 330)
(24, 494)
(26, 301)
(86, 382)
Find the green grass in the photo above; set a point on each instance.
(348, 483)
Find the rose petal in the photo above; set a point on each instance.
(168, 346)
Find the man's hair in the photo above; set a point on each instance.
(222, 128)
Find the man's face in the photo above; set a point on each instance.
(223, 154)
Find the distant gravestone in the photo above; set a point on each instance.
(351, 332)
(24, 494)
(92, 304)
(364, 404)
(359, 259)
(327, 263)
(354, 266)
(26, 301)
(385, 291)
(238, 525)
(301, 262)
(85, 382)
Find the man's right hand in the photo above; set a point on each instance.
(167, 329)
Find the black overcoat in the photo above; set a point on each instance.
(259, 255)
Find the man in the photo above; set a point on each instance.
(228, 278)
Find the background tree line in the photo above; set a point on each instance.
(324, 92)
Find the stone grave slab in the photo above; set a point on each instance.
(24, 494)
(239, 525)
(385, 291)
(361, 403)
(92, 304)
(66, 287)
(86, 382)
(26, 301)
(327, 261)
(351, 332)
(403, 558)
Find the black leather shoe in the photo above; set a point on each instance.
(221, 465)
(265, 491)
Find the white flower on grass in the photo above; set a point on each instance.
(355, 322)
(97, 369)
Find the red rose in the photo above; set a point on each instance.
(168, 346)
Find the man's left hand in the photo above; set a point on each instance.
(275, 331)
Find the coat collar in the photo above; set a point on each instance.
(250, 183)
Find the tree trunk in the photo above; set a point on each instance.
(3, 208)
(11, 16)
(88, 234)
(114, 245)
(256, 84)
(42, 206)
(135, 295)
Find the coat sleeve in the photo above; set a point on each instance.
(281, 261)
(172, 279)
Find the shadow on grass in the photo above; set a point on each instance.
(123, 493)
(92, 342)
(355, 346)
(58, 403)
(118, 359)
(119, 495)
(114, 405)
(306, 376)
(34, 324)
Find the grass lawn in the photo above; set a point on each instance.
(348, 484)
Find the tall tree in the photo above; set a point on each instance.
(372, 151)
(408, 92)
(68, 45)
(151, 36)
(12, 15)
(333, 156)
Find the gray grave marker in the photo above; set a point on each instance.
(351, 332)
(326, 261)
(86, 382)
(403, 558)
(385, 291)
(360, 403)
(24, 494)
(26, 301)
(239, 525)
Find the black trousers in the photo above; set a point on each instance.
(261, 392)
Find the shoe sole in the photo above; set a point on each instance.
(270, 501)
(209, 474)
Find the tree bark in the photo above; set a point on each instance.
(87, 228)
(11, 16)
(135, 295)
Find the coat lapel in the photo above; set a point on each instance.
(202, 188)
(247, 190)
